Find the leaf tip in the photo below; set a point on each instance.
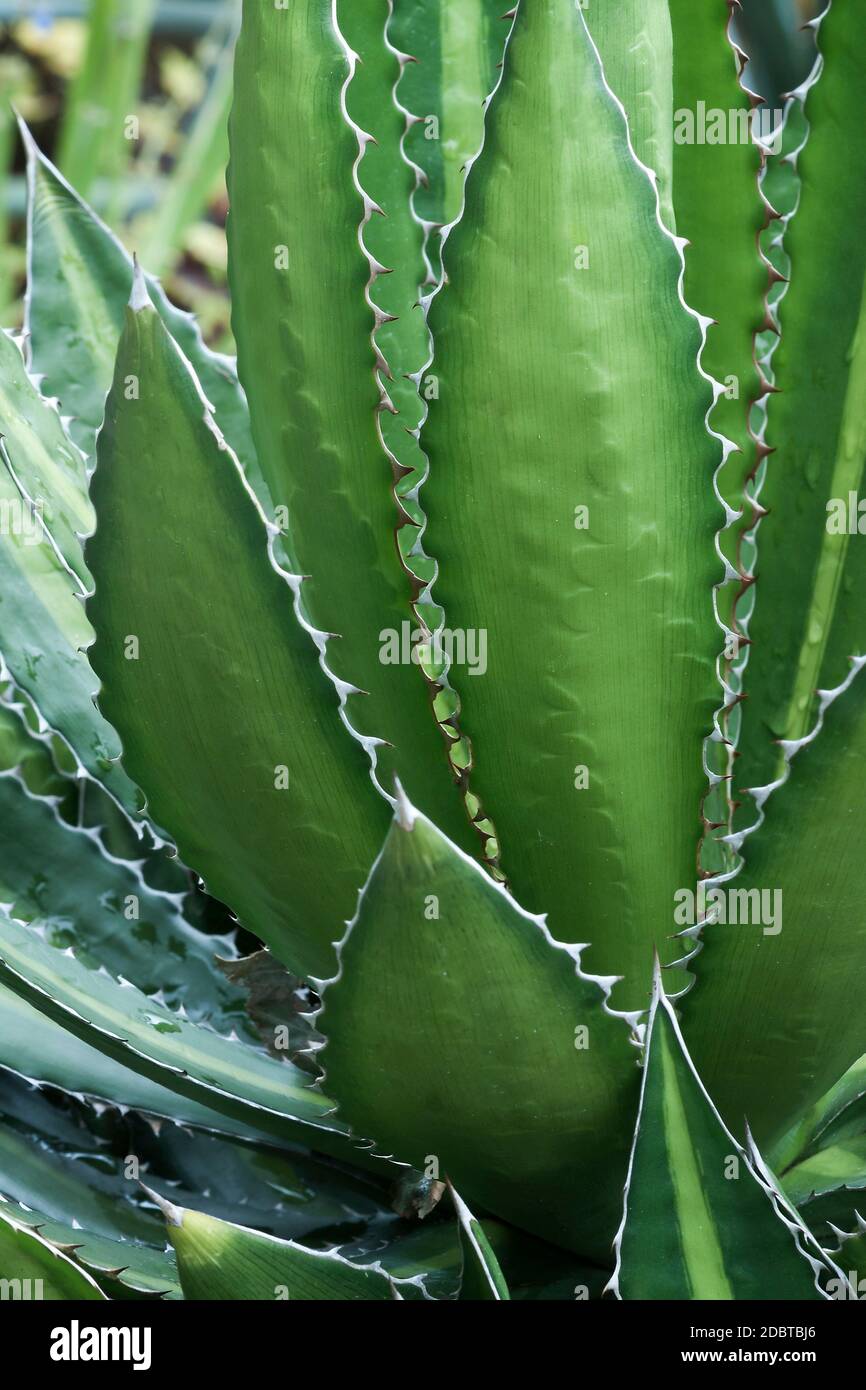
(173, 1215)
(404, 812)
(139, 298)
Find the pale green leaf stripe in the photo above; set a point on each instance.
(702, 1220)
(601, 639)
(481, 1277)
(44, 511)
(702, 1254)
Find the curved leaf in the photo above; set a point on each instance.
(840, 1113)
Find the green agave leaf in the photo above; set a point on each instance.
(701, 1219)
(720, 210)
(117, 1019)
(264, 793)
(460, 1034)
(78, 1194)
(672, 66)
(47, 467)
(218, 1260)
(457, 47)
(313, 395)
(809, 615)
(481, 1277)
(104, 909)
(85, 1189)
(78, 285)
(27, 1259)
(47, 768)
(635, 40)
(287, 1192)
(592, 586)
(34, 1046)
(756, 1021)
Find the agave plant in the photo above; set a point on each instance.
(428, 840)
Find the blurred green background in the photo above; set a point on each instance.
(130, 98)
